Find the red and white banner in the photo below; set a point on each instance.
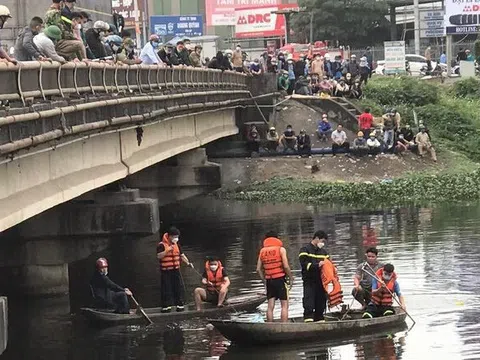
(222, 12)
(260, 22)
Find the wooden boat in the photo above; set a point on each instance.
(249, 333)
(235, 304)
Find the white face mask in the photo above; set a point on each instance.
(78, 26)
(320, 245)
(175, 240)
(387, 277)
(104, 271)
(213, 267)
(238, 48)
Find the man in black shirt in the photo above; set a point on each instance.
(107, 294)
(311, 258)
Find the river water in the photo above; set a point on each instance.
(436, 252)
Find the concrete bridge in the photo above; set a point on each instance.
(66, 130)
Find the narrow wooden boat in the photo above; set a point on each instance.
(235, 304)
(256, 333)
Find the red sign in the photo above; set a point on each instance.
(222, 12)
(260, 21)
(126, 8)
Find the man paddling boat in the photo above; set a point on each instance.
(106, 293)
(362, 280)
(216, 283)
(384, 287)
(273, 267)
(170, 256)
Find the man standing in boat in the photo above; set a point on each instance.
(106, 293)
(312, 257)
(170, 255)
(362, 280)
(384, 286)
(273, 267)
(216, 281)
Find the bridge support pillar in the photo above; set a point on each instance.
(108, 212)
(187, 175)
(3, 324)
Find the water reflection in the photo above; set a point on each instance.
(435, 252)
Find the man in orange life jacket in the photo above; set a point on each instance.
(311, 258)
(216, 281)
(273, 267)
(170, 256)
(382, 300)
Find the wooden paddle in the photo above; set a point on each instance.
(139, 308)
(383, 283)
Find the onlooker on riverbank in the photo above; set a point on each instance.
(288, 139)
(403, 145)
(283, 83)
(365, 122)
(359, 145)
(339, 140)
(326, 86)
(255, 68)
(324, 129)
(373, 143)
(388, 129)
(407, 133)
(304, 144)
(253, 139)
(424, 145)
(272, 139)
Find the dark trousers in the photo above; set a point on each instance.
(362, 296)
(172, 290)
(336, 147)
(373, 311)
(305, 151)
(314, 301)
(120, 302)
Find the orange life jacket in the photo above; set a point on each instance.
(384, 298)
(216, 278)
(171, 261)
(329, 276)
(271, 258)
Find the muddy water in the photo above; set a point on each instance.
(435, 251)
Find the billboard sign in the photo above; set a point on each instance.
(431, 23)
(259, 22)
(126, 8)
(462, 16)
(394, 57)
(222, 12)
(181, 26)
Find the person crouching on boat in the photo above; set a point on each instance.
(106, 293)
(216, 281)
(273, 267)
(362, 291)
(170, 255)
(312, 257)
(384, 286)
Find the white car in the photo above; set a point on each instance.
(416, 63)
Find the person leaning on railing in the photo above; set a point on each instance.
(4, 16)
(69, 47)
(45, 43)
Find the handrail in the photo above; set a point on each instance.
(42, 80)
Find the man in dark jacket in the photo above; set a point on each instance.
(304, 144)
(311, 258)
(25, 49)
(106, 293)
(299, 68)
(353, 67)
(94, 38)
(182, 54)
(168, 56)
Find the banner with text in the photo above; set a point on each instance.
(394, 57)
(182, 26)
(462, 16)
(222, 12)
(259, 22)
(431, 23)
(126, 8)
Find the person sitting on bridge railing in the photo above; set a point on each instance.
(4, 16)
(45, 42)
(69, 47)
(149, 55)
(25, 49)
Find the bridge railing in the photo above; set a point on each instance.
(42, 80)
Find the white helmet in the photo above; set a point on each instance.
(4, 11)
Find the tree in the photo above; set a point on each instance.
(350, 22)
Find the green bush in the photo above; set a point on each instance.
(468, 88)
(406, 90)
(477, 50)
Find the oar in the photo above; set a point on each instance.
(382, 282)
(139, 308)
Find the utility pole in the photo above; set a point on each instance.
(137, 24)
(287, 14)
(416, 14)
(311, 26)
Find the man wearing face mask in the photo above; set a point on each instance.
(312, 257)
(106, 293)
(195, 56)
(25, 48)
(170, 256)
(94, 37)
(384, 285)
(168, 56)
(237, 59)
(216, 283)
(149, 55)
(182, 53)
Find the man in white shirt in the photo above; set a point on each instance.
(45, 43)
(149, 52)
(339, 140)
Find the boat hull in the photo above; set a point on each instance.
(248, 333)
(235, 304)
